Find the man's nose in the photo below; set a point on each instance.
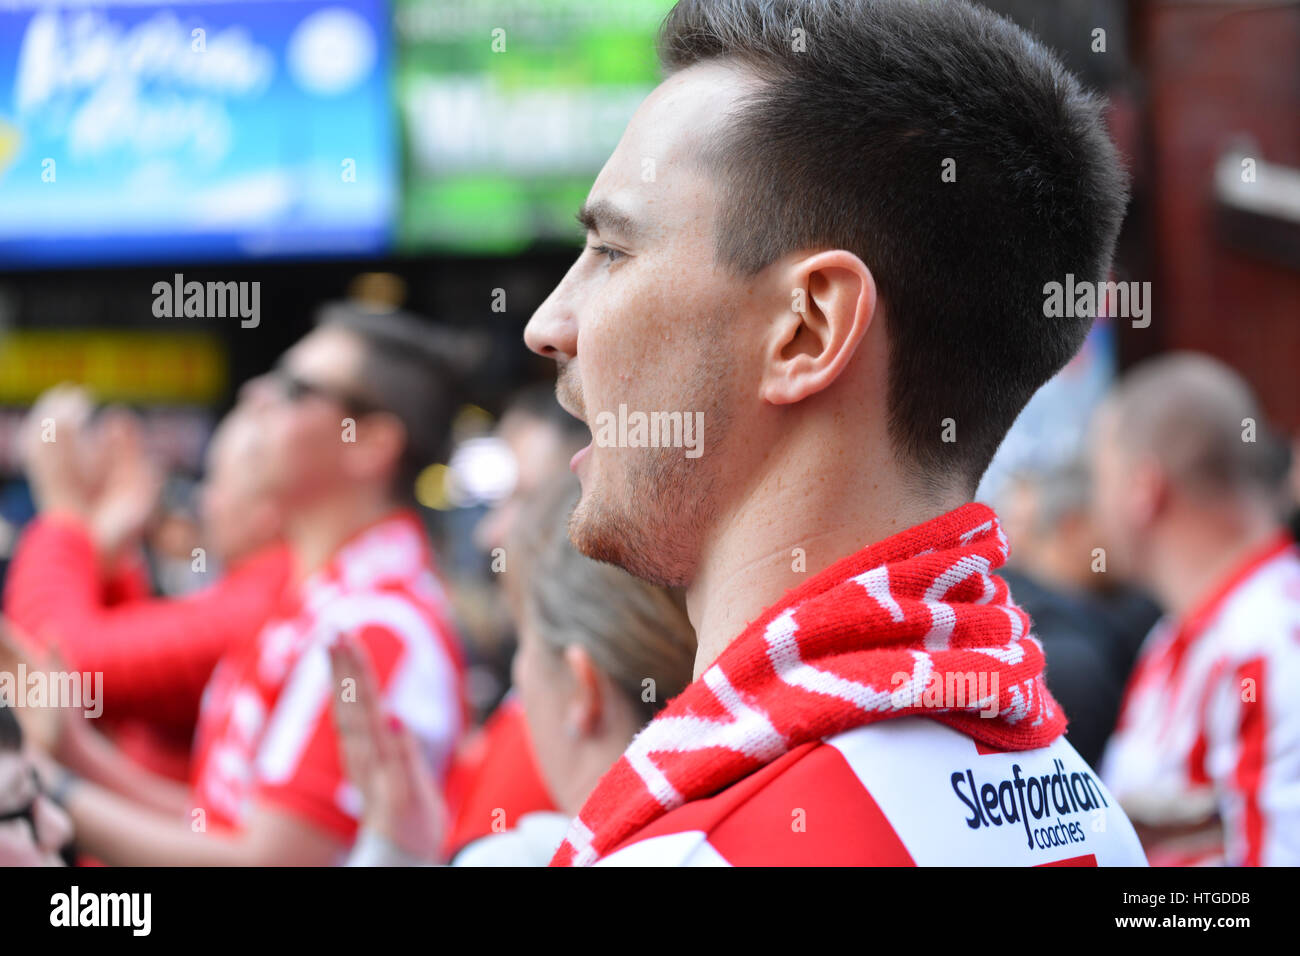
(553, 331)
(257, 391)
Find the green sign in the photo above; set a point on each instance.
(509, 109)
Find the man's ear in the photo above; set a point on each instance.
(829, 303)
(1150, 492)
(586, 707)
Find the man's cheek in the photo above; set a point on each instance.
(622, 337)
(598, 366)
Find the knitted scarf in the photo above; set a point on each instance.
(874, 636)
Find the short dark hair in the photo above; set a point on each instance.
(413, 369)
(843, 145)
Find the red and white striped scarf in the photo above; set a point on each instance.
(857, 643)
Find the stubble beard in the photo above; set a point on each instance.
(667, 503)
(654, 531)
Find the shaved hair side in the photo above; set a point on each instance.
(1194, 415)
(414, 370)
(841, 143)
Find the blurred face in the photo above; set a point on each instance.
(238, 516)
(1019, 515)
(541, 681)
(300, 414)
(646, 320)
(33, 839)
(537, 449)
(1114, 515)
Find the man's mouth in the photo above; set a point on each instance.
(579, 457)
(586, 449)
(569, 393)
(569, 398)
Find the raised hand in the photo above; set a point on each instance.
(131, 483)
(383, 759)
(55, 453)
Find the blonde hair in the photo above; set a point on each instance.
(634, 631)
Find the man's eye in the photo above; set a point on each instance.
(613, 255)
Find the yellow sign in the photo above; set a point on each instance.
(179, 367)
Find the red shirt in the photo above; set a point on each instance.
(156, 654)
(495, 780)
(902, 792)
(1210, 729)
(266, 732)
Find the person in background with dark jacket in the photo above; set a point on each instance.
(1054, 575)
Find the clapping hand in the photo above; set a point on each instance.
(100, 475)
(383, 760)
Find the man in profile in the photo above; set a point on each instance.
(828, 231)
(349, 417)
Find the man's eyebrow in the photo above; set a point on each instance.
(603, 216)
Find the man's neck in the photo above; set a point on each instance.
(803, 502)
(1199, 553)
(316, 531)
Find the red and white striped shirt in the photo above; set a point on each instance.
(904, 792)
(266, 731)
(835, 730)
(1210, 726)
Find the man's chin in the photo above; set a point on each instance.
(600, 534)
(587, 531)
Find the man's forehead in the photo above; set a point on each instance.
(661, 148)
(683, 111)
(325, 347)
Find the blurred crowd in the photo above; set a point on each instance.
(301, 695)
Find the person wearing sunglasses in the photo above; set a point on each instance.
(348, 418)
